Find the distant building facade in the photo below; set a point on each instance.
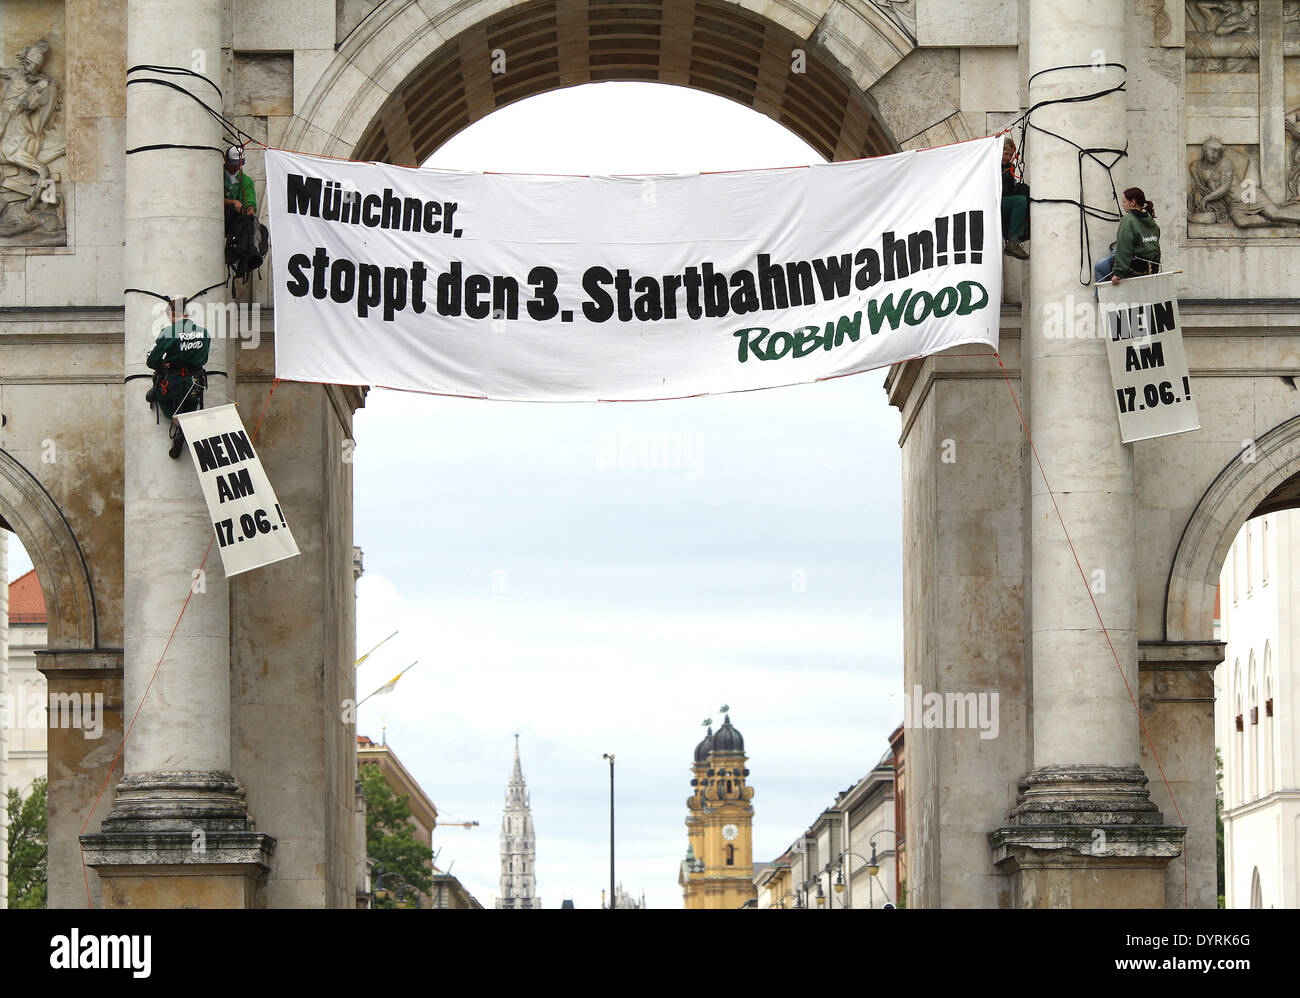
(622, 899)
(851, 854)
(23, 724)
(718, 871)
(25, 744)
(518, 845)
(424, 815)
(448, 892)
(1258, 708)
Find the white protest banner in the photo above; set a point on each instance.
(564, 289)
(250, 526)
(1148, 365)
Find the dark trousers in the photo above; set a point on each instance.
(1015, 217)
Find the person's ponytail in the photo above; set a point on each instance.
(1138, 197)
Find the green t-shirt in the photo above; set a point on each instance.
(239, 188)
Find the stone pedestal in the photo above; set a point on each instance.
(1069, 866)
(179, 840)
(1086, 837)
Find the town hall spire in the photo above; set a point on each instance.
(518, 872)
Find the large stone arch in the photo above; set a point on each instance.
(415, 72)
(31, 512)
(1250, 484)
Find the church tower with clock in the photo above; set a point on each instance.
(718, 871)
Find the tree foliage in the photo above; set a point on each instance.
(1218, 821)
(391, 840)
(28, 821)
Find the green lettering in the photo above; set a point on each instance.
(746, 345)
(878, 311)
(966, 289)
(844, 326)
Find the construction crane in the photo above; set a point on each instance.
(457, 824)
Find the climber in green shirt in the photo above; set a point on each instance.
(177, 361)
(1137, 246)
(237, 186)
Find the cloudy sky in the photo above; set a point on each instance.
(552, 585)
(602, 578)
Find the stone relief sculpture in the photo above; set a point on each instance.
(902, 13)
(1222, 36)
(1250, 183)
(1217, 199)
(31, 212)
(1293, 173)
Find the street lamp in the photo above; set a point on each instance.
(380, 893)
(610, 757)
(872, 865)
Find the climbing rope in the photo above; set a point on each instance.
(1093, 153)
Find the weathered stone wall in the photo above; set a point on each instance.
(965, 612)
(292, 631)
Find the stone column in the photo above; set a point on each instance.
(1086, 833)
(179, 834)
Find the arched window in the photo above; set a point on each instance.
(731, 855)
(1249, 575)
(1235, 588)
(1266, 723)
(1252, 731)
(1237, 762)
(1263, 552)
(1256, 890)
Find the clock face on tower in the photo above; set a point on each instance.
(729, 832)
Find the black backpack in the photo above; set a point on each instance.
(246, 245)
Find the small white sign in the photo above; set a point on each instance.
(250, 525)
(1148, 365)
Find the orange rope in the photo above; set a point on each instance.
(1097, 610)
(144, 696)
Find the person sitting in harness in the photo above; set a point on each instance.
(177, 360)
(1137, 247)
(1015, 205)
(246, 239)
(238, 187)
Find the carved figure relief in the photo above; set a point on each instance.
(31, 211)
(1225, 193)
(902, 12)
(1222, 36)
(1244, 133)
(1293, 172)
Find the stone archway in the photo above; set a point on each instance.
(412, 73)
(75, 666)
(30, 512)
(1260, 479)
